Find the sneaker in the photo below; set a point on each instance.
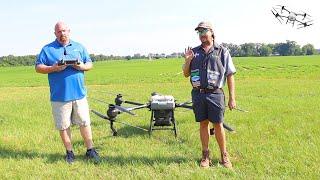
(225, 161)
(205, 160)
(69, 157)
(93, 154)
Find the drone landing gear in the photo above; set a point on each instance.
(161, 120)
(114, 131)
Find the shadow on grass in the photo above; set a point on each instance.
(128, 131)
(117, 160)
(113, 160)
(27, 154)
(121, 160)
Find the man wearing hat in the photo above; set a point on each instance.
(209, 67)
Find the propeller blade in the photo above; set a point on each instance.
(186, 106)
(273, 13)
(239, 109)
(98, 100)
(242, 110)
(133, 103)
(227, 127)
(184, 103)
(125, 123)
(277, 16)
(100, 115)
(104, 92)
(306, 14)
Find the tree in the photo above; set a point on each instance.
(234, 49)
(308, 49)
(264, 50)
(286, 49)
(248, 49)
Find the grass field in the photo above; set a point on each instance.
(278, 139)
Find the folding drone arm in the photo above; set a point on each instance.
(139, 107)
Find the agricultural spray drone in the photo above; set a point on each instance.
(162, 112)
(283, 14)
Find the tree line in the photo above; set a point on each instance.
(289, 48)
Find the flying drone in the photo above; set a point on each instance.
(283, 14)
(162, 109)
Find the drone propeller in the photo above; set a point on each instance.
(98, 100)
(106, 92)
(184, 103)
(242, 110)
(304, 14)
(308, 21)
(277, 15)
(283, 8)
(107, 118)
(100, 115)
(228, 127)
(239, 109)
(122, 109)
(303, 26)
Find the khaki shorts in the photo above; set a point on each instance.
(72, 112)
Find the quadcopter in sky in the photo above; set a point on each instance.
(162, 109)
(283, 14)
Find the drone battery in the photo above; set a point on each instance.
(158, 102)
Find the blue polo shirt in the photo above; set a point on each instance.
(209, 70)
(66, 85)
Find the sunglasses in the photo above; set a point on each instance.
(202, 32)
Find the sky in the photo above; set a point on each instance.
(126, 27)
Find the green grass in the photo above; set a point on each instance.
(279, 138)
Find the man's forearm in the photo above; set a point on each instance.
(41, 68)
(186, 68)
(231, 86)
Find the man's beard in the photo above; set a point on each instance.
(206, 43)
(63, 38)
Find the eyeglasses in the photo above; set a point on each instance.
(202, 32)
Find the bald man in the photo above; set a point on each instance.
(67, 87)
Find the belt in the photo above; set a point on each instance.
(206, 90)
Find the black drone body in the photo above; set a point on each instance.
(283, 14)
(162, 109)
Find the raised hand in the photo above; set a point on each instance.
(188, 54)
